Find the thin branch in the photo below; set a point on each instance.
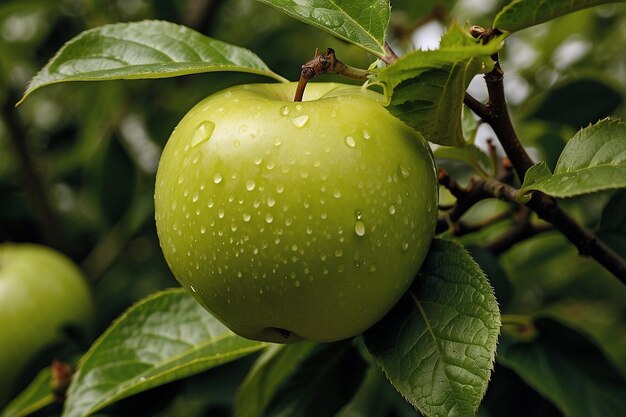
(496, 113)
(522, 230)
(545, 207)
(390, 56)
(326, 63)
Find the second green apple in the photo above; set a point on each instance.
(293, 221)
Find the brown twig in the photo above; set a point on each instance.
(523, 229)
(390, 55)
(326, 63)
(496, 114)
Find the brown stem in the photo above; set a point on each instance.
(545, 207)
(390, 56)
(326, 63)
(496, 113)
(522, 230)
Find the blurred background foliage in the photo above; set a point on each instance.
(77, 166)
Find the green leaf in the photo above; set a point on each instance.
(470, 154)
(612, 228)
(578, 103)
(469, 125)
(272, 368)
(361, 23)
(437, 346)
(148, 49)
(36, 396)
(567, 369)
(521, 14)
(322, 384)
(593, 160)
(165, 337)
(425, 89)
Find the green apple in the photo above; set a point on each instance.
(292, 221)
(41, 292)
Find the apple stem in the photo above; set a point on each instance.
(326, 63)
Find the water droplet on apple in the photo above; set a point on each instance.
(217, 178)
(366, 134)
(359, 228)
(202, 229)
(300, 121)
(277, 142)
(285, 110)
(392, 209)
(258, 159)
(202, 133)
(269, 218)
(250, 185)
(297, 284)
(338, 253)
(405, 246)
(181, 178)
(280, 188)
(195, 197)
(270, 201)
(403, 171)
(246, 217)
(192, 288)
(350, 141)
(358, 214)
(372, 268)
(220, 213)
(337, 194)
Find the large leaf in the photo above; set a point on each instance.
(36, 396)
(437, 346)
(593, 160)
(521, 14)
(425, 89)
(167, 336)
(148, 49)
(325, 382)
(612, 228)
(566, 368)
(362, 23)
(272, 368)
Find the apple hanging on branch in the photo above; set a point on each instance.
(295, 220)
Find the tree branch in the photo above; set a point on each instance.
(545, 207)
(496, 113)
